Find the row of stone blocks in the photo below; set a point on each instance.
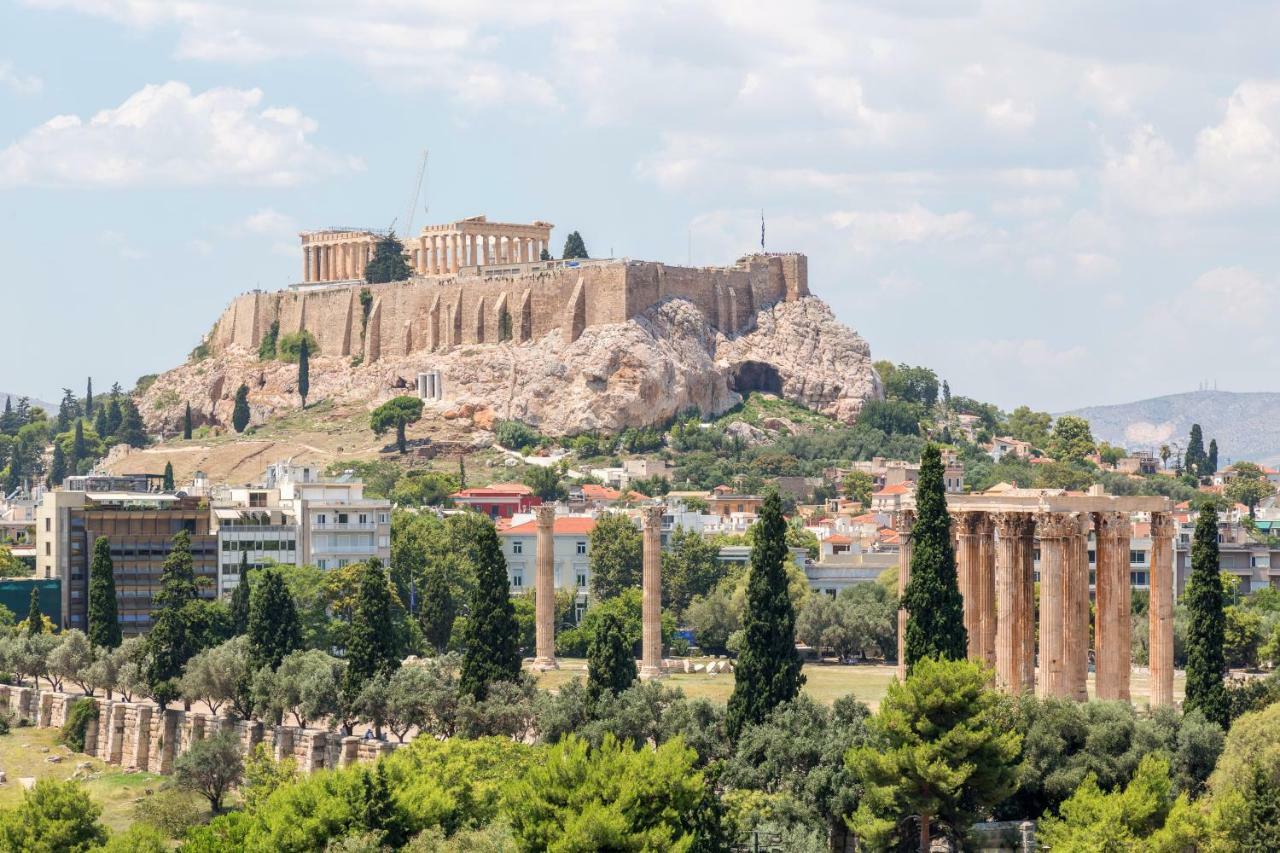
(141, 736)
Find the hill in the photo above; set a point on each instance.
(1246, 425)
(51, 408)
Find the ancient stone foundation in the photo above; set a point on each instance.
(140, 736)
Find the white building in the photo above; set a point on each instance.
(253, 527)
(572, 537)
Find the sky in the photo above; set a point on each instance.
(1053, 204)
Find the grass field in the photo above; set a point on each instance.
(824, 682)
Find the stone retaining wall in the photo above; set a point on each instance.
(141, 736)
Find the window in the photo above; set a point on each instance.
(582, 580)
(517, 581)
(46, 524)
(1138, 558)
(47, 549)
(1139, 579)
(322, 519)
(322, 563)
(517, 547)
(226, 544)
(383, 518)
(582, 547)
(364, 519)
(257, 499)
(1093, 557)
(342, 518)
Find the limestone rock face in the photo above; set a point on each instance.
(637, 373)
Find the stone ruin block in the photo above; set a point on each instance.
(166, 734)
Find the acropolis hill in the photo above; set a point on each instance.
(565, 345)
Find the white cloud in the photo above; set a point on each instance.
(167, 136)
(871, 230)
(18, 84)
(118, 243)
(269, 221)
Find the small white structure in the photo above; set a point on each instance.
(430, 385)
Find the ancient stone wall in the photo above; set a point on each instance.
(439, 313)
(140, 736)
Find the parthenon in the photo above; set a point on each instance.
(341, 254)
(996, 543)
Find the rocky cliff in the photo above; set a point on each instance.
(634, 373)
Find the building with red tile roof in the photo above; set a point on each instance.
(500, 500)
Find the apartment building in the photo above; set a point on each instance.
(336, 523)
(572, 538)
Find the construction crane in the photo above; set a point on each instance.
(417, 192)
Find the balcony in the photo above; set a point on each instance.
(367, 527)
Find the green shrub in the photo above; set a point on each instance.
(171, 811)
(267, 349)
(288, 347)
(6, 721)
(515, 435)
(80, 715)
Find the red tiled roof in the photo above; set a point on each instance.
(889, 536)
(865, 518)
(566, 525)
(591, 491)
(839, 539)
(895, 489)
(495, 490)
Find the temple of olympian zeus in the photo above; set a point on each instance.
(996, 539)
(341, 254)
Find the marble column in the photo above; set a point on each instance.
(904, 521)
(1112, 633)
(456, 251)
(651, 588)
(306, 263)
(1057, 541)
(322, 263)
(1015, 597)
(545, 590)
(970, 527)
(1076, 623)
(1160, 609)
(986, 584)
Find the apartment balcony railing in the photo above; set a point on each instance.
(367, 526)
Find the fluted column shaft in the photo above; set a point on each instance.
(651, 590)
(1056, 532)
(1014, 590)
(1076, 624)
(903, 523)
(971, 528)
(1112, 631)
(545, 589)
(1160, 609)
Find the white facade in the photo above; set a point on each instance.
(572, 556)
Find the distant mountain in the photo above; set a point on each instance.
(1247, 426)
(51, 408)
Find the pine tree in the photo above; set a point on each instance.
(438, 609)
(100, 423)
(35, 619)
(935, 608)
(274, 629)
(388, 262)
(611, 668)
(371, 650)
(78, 450)
(240, 599)
(492, 636)
(1207, 628)
(240, 413)
(166, 483)
(114, 416)
(1213, 457)
(304, 371)
(68, 410)
(186, 423)
(1195, 457)
(104, 617)
(768, 669)
(57, 467)
(131, 430)
(88, 398)
(378, 813)
(574, 247)
(462, 472)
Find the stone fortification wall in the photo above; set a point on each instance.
(140, 736)
(439, 313)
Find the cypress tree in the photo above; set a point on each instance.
(935, 608)
(58, 467)
(1213, 457)
(388, 263)
(131, 431)
(1207, 627)
(100, 423)
(186, 423)
(167, 481)
(492, 636)
(371, 650)
(274, 630)
(611, 668)
(104, 618)
(574, 247)
(77, 446)
(1195, 457)
(768, 669)
(35, 619)
(88, 398)
(114, 416)
(240, 414)
(438, 609)
(304, 371)
(240, 599)
(169, 643)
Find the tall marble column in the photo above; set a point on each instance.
(545, 590)
(1160, 609)
(455, 253)
(904, 521)
(1076, 621)
(651, 588)
(986, 587)
(1112, 633)
(322, 262)
(1056, 531)
(1015, 616)
(306, 263)
(970, 527)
